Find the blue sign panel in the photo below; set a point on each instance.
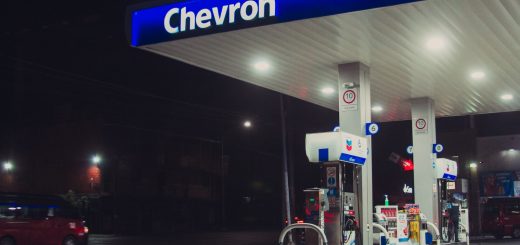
(323, 155)
(201, 17)
(352, 159)
(437, 148)
(371, 129)
(449, 177)
(331, 181)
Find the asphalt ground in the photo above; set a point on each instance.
(235, 238)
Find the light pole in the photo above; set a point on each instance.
(96, 159)
(94, 170)
(8, 168)
(474, 197)
(247, 124)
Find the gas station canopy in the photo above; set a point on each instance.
(464, 54)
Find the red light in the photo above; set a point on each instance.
(407, 165)
(299, 221)
(329, 217)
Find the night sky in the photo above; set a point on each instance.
(70, 61)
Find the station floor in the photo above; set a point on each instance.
(209, 238)
(235, 238)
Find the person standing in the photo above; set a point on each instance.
(454, 212)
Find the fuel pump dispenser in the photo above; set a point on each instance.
(447, 171)
(381, 219)
(426, 236)
(333, 150)
(349, 216)
(316, 204)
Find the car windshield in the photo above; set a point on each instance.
(7, 211)
(39, 208)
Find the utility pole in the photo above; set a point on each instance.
(287, 199)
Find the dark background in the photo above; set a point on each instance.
(170, 134)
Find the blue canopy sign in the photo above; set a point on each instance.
(183, 19)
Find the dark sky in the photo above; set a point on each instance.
(68, 57)
(58, 53)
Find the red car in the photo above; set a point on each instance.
(501, 217)
(39, 220)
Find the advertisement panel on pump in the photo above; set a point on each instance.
(336, 146)
(446, 169)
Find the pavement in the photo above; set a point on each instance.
(493, 241)
(235, 238)
(209, 238)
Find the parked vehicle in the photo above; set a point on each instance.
(39, 220)
(501, 217)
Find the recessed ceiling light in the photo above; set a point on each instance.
(477, 75)
(328, 90)
(262, 65)
(377, 108)
(435, 43)
(507, 97)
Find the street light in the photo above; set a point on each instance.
(248, 124)
(473, 165)
(96, 159)
(8, 166)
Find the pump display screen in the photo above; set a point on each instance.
(311, 205)
(312, 208)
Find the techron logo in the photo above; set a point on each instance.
(183, 19)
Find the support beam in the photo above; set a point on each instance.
(354, 112)
(424, 136)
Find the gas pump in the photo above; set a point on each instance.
(349, 218)
(333, 150)
(447, 171)
(316, 204)
(380, 237)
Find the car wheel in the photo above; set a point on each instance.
(516, 232)
(68, 241)
(7, 241)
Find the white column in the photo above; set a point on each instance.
(354, 112)
(424, 136)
